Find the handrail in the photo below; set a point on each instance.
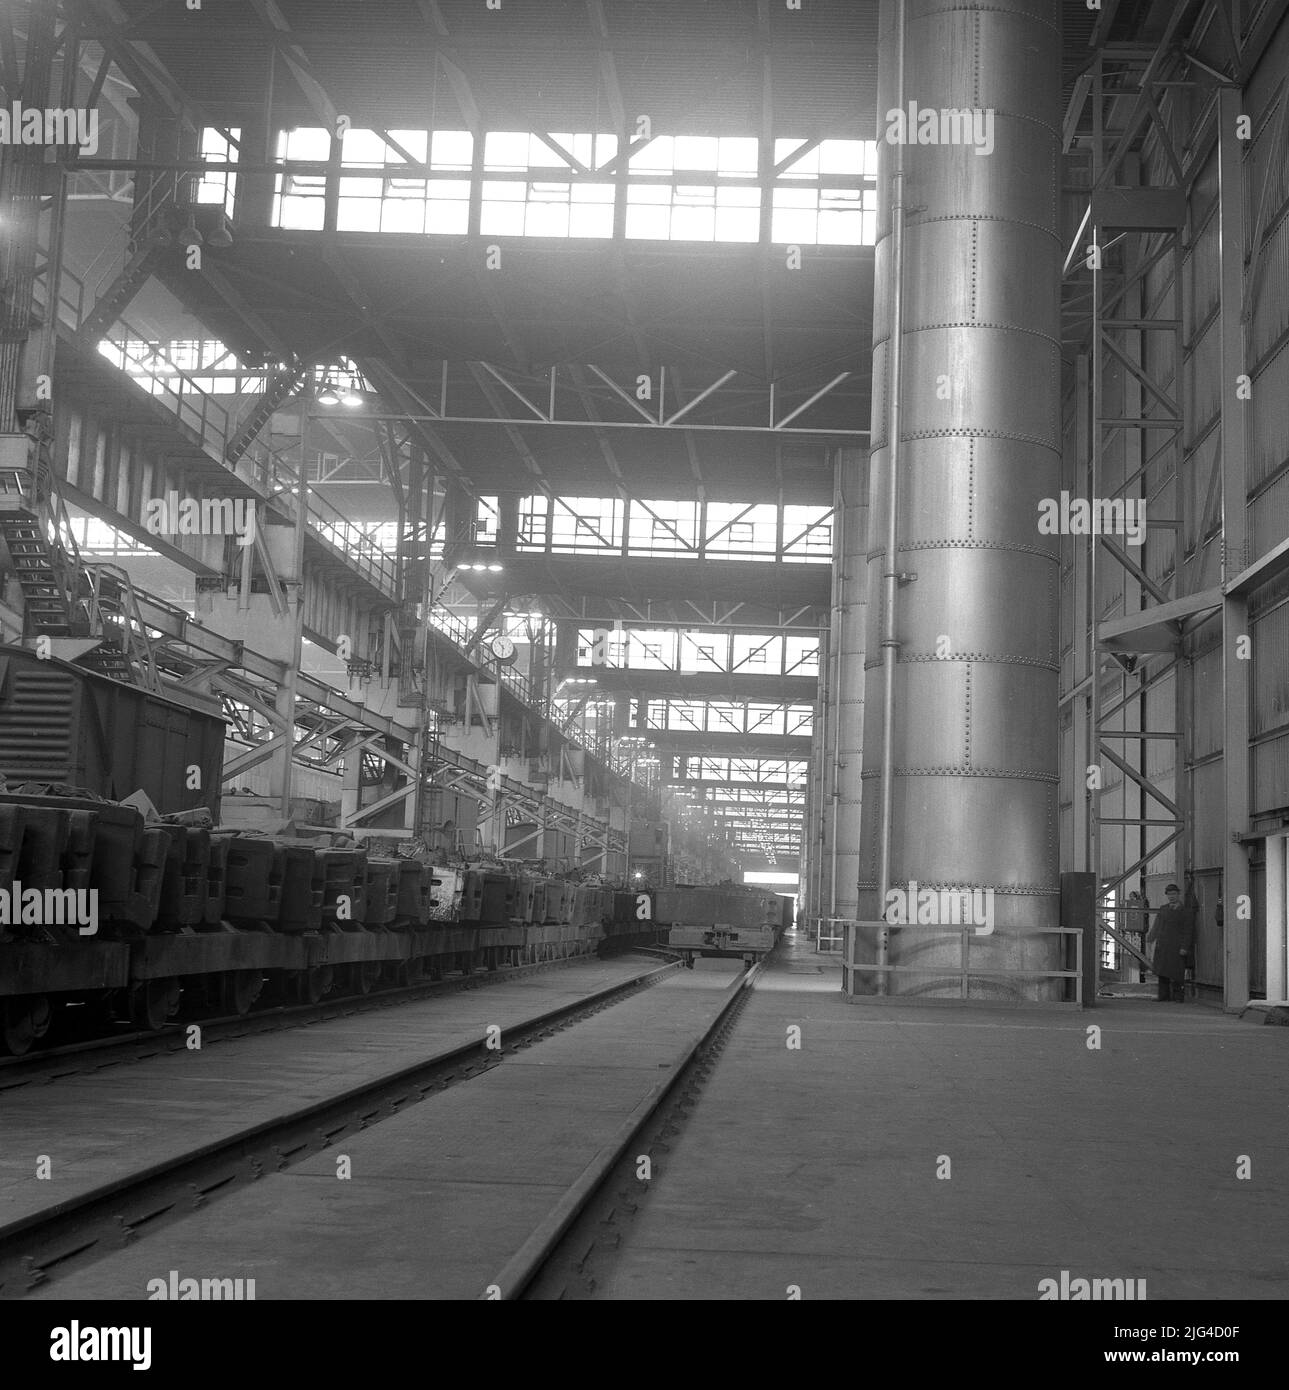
(135, 639)
(964, 973)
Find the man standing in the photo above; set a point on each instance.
(1173, 936)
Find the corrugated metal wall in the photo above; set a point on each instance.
(1170, 495)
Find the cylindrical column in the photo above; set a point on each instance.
(973, 719)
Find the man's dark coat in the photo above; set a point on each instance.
(1172, 932)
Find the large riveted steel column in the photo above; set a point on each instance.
(973, 765)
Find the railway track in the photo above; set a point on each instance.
(67, 1235)
(94, 1054)
(557, 1260)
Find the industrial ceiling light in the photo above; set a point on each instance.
(221, 234)
(496, 569)
(328, 395)
(189, 235)
(352, 399)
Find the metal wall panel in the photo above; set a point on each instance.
(1206, 725)
(1269, 677)
(1271, 774)
(1210, 821)
(1269, 421)
(1268, 513)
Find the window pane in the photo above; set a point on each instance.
(502, 219)
(594, 220)
(506, 150)
(695, 152)
(737, 155)
(452, 149)
(447, 218)
(363, 147)
(793, 226)
(360, 188)
(803, 166)
(655, 157)
(358, 215)
(303, 214)
(692, 224)
(402, 215)
(308, 142)
(737, 224)
(415, 142)
(650, 223)
(842, 156)
(546, 219)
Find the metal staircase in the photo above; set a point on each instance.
(125, 652)
(118, 295)
(279, 388)
(63, 597)
(37, 530)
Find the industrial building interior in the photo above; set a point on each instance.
(706, 456)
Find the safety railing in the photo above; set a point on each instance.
(349, 539)
(830, 934)
(116, 605)
(963, 973)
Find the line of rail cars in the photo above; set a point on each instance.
(144, 918)
(134, 914)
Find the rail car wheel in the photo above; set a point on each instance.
(311, 985)
(152, 1002)
(25, 1018)
(364, 975)
(241, 990)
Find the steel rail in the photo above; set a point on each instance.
(522, 1269)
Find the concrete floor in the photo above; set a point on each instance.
(818, 1167)
(814, 1167)
(440, 1196)
(96, 1127)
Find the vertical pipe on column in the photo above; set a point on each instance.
(847, 693)
(890, 561)
(297, 644)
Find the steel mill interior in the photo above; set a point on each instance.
(644, 654)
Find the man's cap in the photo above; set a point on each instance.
(1172, 888)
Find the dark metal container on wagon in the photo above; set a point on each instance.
(62, 724)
